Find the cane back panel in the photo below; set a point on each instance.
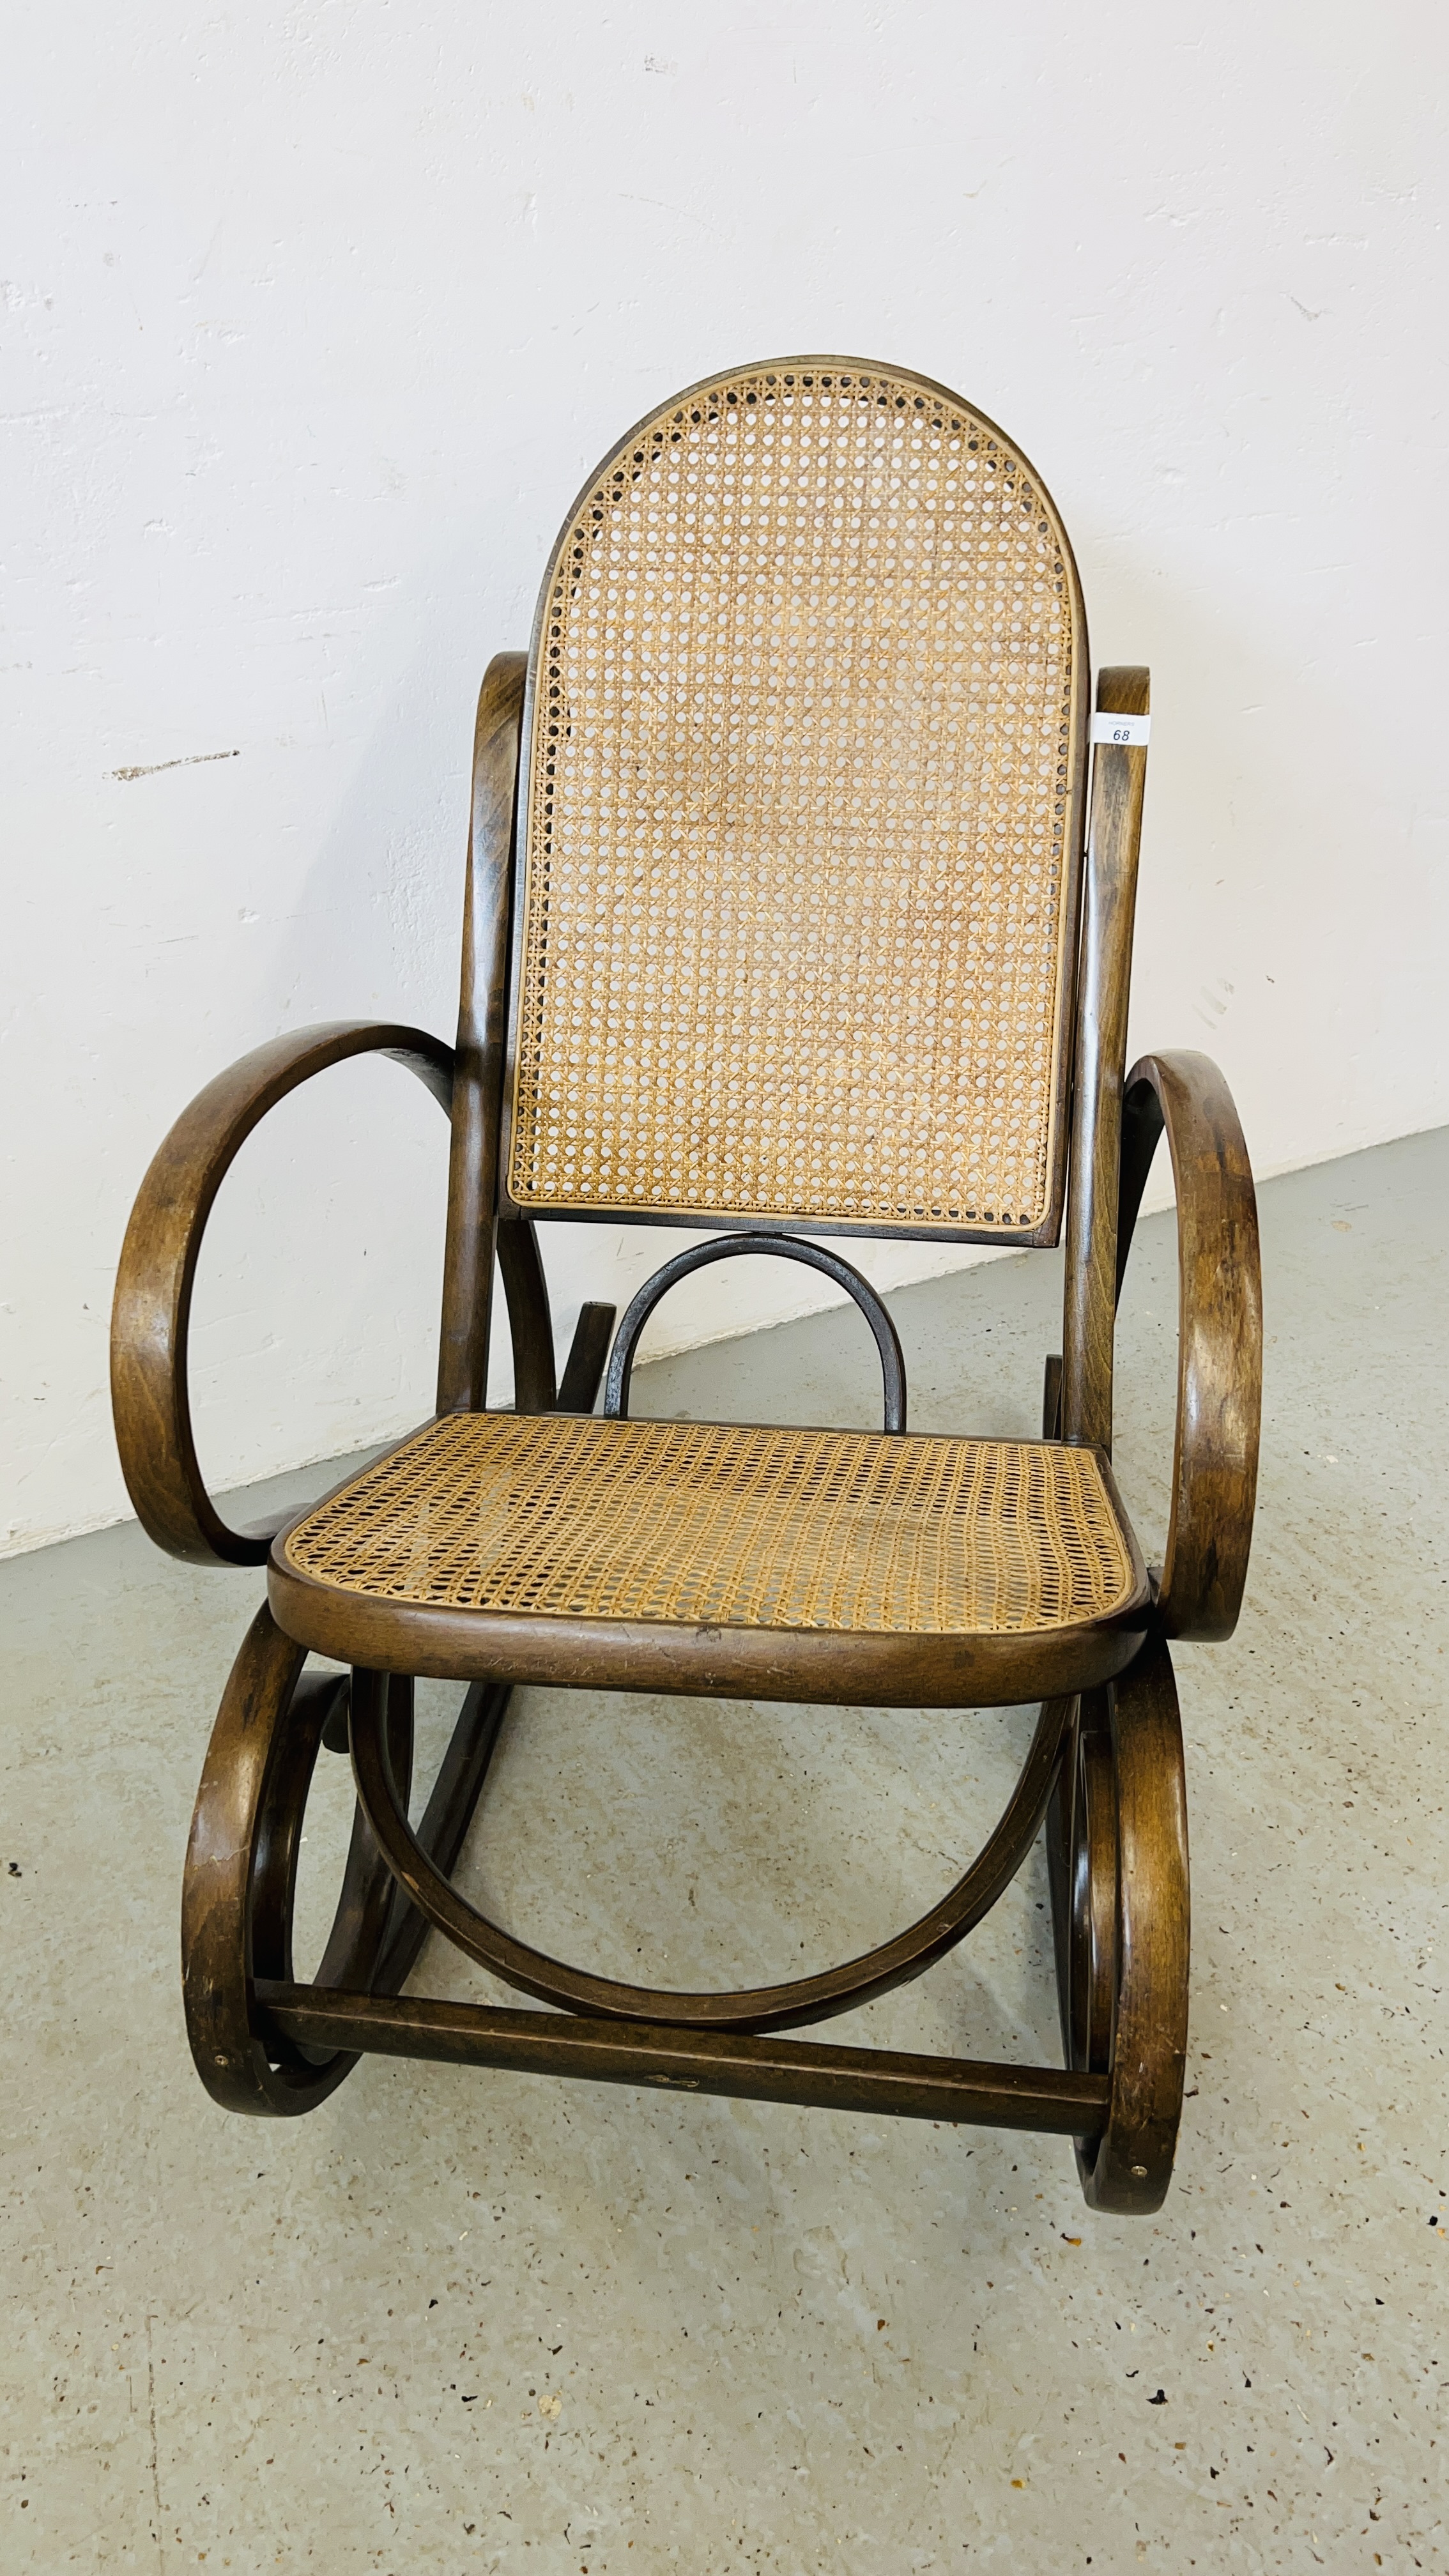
(798, 868)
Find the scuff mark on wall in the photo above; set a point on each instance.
(189, 760)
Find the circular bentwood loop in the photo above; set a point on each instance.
(1128, 2168)
(781, 1247)
(764, 2008)
(241, 1874)
(150, 1320)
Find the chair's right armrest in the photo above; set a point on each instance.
(151, 1313)
(1220, 1331)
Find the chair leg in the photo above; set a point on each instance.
(241, 1869)
(1082, 1871)
(1117, 1863)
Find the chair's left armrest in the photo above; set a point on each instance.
(1220, 1331)
(152, 1307)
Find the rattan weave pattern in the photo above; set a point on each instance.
(800, 784)
(568, 1517)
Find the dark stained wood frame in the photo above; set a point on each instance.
(150, 1394)
(1105, 1771)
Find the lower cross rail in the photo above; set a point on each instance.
(1046, 2098)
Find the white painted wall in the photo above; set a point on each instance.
(315, 318)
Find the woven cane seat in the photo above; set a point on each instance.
(728, 1525)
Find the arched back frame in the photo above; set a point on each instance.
(800, 822)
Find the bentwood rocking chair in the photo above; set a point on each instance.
(783, 910)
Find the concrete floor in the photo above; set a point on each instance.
(455, 2321)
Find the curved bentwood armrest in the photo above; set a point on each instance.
(152, 1309)
(1220, 1331)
